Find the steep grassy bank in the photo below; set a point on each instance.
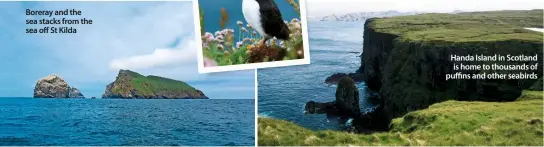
(406, 58)
(445, 123)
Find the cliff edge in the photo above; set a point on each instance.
(406, 58)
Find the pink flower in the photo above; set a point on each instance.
(208, 37)
(239, 44)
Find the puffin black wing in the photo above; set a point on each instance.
(272, 21)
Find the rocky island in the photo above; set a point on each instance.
(405, 59)
(132, 85)
(54, 86)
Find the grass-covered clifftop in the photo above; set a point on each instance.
(406, 58)
(129, 84)
(446, 123)
(464, 27)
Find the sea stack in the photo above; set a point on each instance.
(347, 97)
(132, 85)
(346, 101)
(54, 86)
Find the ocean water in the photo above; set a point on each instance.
(334, 48)
(82, 122)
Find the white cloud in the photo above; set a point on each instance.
(123, 35)
(159, 58)
(120, 31)
(323, 7)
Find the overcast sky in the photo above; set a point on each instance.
(327, 7)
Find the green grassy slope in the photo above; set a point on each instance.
(446, 123)
(154, 84)
(463, 27)
(150, 86)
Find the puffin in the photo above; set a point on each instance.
(265, 17)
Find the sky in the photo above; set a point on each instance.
(152, 38)
(316, 8)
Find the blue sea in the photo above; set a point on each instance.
(113, 122)
(334, 48)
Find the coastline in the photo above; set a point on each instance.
(406, 69)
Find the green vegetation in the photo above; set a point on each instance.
(241, 46)
(407, 57)
(132, 84)
(465, 27)
(531, 95)
(153, 84)
(446, 123)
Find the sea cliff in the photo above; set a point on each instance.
(406, 58)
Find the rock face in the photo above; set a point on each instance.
(74, 93)
(131, 85)
(347, 97)
(53, 86)
(335, 78)
(345, 104)
(409, 71)
(377, 120)
(320, 108)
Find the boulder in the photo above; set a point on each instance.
(53, 86)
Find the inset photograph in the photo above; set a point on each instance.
(250, 34)
(117, 74)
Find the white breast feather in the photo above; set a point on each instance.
(250, 9)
